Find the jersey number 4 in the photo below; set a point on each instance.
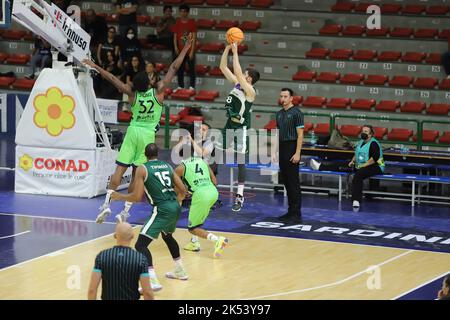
(164, 177)
(144, 104)
(198, 169)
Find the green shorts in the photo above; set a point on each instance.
(238, 140)
(202, 201)
(132, 151)
(164, 218)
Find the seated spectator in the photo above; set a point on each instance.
(367, 162)
(41, 57)
(164, 34)
(126, 9)
(96, 26)
(134, 68)
(446, 60)
(152, 74)
(107, 90)
(130, 47)
(62, 4)
(444, 293)
(111, 44)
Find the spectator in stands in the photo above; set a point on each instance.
(182, 28)
(153, 76)
(111, 44)
(126, 9)
(133, 69)
(41, 57)
(446, 60)
(164, 34)
(444, 293)
(96, 26)
(107, 90)
(130, 47)
(367, 162)
(62, 4)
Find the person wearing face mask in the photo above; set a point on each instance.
(130, 47)
(367, 162)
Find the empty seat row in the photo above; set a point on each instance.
(373, 55)
(372, 80)
(391, 8)
(16, 83)
(231, 3)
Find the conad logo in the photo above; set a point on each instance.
(50, 164)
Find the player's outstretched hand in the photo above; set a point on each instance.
(89, 62)
(234, 47)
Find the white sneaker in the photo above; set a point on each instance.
(314, 164)
(122, 216)
(179, 273)
(104, 213)
(355, 204)
(154, 282)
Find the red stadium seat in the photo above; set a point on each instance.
(343, 7)
(389, 56)
(215, 47)
(429, 136)
(353, 30)
(365, 55)
(216, 2)
(142, 19)
(376, 80)
(425, 83)
(261, 3)
(445, 138)
(13, 34)
(271, 125)
(314, 102)
(23, 84)
(387, 106)
(174, 119)
(250, 25)
(238, 3)
(331, 29)
(226, 24)
(350, 130)
(174, 1)
(380, 132)
(3, 57)
(362, 7)
(215, 72)
(318, 53)
(192, 119)
(112, 18)
(322, 129)
(18, 58)
(194, 2)
(434, 58)
(438, 109)
(402, 32)
(341, 54)
(124, 116)
(242, 48)
(161, 67)
(437, 10)
(444, 34)
(415, 57)
(413, 107)
(308, 127)
(183, 94)
(413, 9)
(339, 103)
(382, 32)
(205, 23)
(401, 81)
(29, 36)
(207, 95)
(399, 134)
(201, 69)
(167, 92)
(352, 78)
(391, 8)
(5, 82)
(426, 33)
(297, 100)
(363, 104)
(445, 84)
(304, 76)
(328, 77)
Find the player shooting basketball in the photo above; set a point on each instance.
(238, 105)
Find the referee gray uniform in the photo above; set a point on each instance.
(121, 269)
(288, 121)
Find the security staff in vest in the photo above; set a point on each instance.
(290, 127)
(367, 162)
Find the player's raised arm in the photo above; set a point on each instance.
(122, 87)
(247, 87)
(138, 191)
(224, 66)
(165, 83)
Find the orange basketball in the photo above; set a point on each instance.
(235, 35)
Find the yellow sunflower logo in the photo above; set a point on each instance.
(26, 162)
(54, 111)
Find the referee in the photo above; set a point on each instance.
(120, 269)
(290, 138)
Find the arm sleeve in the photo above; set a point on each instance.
(98, 264)
(374, 151)
(299, 123)
(144, 267)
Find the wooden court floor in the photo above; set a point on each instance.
(252, 267)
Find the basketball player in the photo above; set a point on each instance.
(238, 105)
(146, 106)
(201, 182)
(164, 190)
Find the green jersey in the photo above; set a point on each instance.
(196, 174)
(238, 109)
(159, 185)
(146, 110)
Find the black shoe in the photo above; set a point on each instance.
(289, 217)
(216, 205)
